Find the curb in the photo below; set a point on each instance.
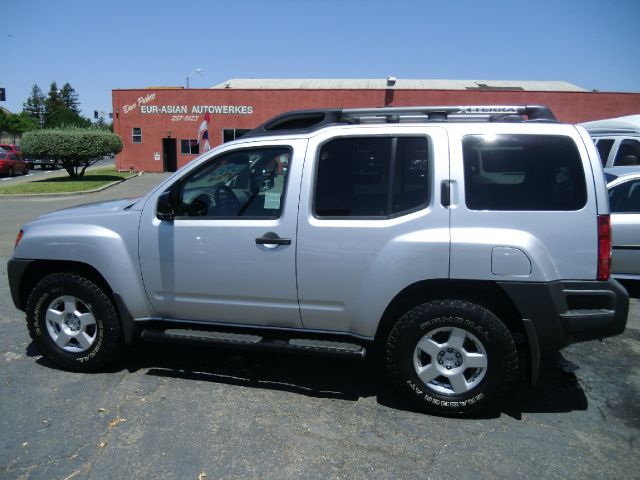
(68, 194)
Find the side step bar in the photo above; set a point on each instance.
(255, 342)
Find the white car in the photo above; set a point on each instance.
(617, 140)
(624, 200)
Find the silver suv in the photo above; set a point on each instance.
(452, 238)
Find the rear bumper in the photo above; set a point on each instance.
(567, 312)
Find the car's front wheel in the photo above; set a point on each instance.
(451, 356)
(73, 322)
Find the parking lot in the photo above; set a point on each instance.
(182, 412)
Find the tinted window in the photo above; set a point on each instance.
(523, 172)
(604, 147)
(625, 198)
(372, 177)
(628, 153)
(245, 183)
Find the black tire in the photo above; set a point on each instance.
(11, 172)
(52, 299)
(460, 385)
(26, 170)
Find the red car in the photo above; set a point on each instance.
(11, 161)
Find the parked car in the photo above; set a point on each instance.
(10, 147)
(624, 201)
(11, 162)
(43, 163)
(617, 140)
(454, 240)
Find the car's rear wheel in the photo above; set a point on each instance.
(73, 322)
(451, 356)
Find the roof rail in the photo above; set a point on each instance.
(303, 121)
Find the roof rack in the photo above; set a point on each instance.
(304, 121)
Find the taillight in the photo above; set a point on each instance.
(604, 247)
(18, 238)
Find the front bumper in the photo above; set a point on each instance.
(16, 268)
(567, 312)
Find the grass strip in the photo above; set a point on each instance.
(91, 180)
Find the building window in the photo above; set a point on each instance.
(230, 134)
(136, 135)
(189, 147)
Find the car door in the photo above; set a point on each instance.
(371, 223)
(229, 254)
(624, 199)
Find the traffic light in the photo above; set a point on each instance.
(95, 114)
(3, 96)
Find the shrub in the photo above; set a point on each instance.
(75, 148)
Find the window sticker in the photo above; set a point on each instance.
(272, 201)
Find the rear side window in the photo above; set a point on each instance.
(604, 147)
(375, 177)
(628, 153)
(523, 172)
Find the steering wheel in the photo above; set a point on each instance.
(226, 202)
(199, 206)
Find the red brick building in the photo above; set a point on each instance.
(160, 126)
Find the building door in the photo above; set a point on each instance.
(169, 154)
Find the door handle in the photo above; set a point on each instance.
(271, 238)
(445, 193)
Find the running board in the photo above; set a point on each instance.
(254, 342)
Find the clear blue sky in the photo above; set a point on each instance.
(97, 46)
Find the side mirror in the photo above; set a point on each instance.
(164, 207)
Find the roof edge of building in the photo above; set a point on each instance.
(396, 84)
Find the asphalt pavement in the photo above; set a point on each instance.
(176, 412)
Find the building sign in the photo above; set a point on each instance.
(143, 106)
(197, 109)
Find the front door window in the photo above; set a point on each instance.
(243, 184)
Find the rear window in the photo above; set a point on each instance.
(523, 172)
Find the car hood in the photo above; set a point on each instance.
(89, 209)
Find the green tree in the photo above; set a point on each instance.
(52, 104)
(35, 103)
(16, 124)
(3, 120)
(65, 117)
(75, 148)
(70, 98)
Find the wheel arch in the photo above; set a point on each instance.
(39, 269)
(484, 293)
